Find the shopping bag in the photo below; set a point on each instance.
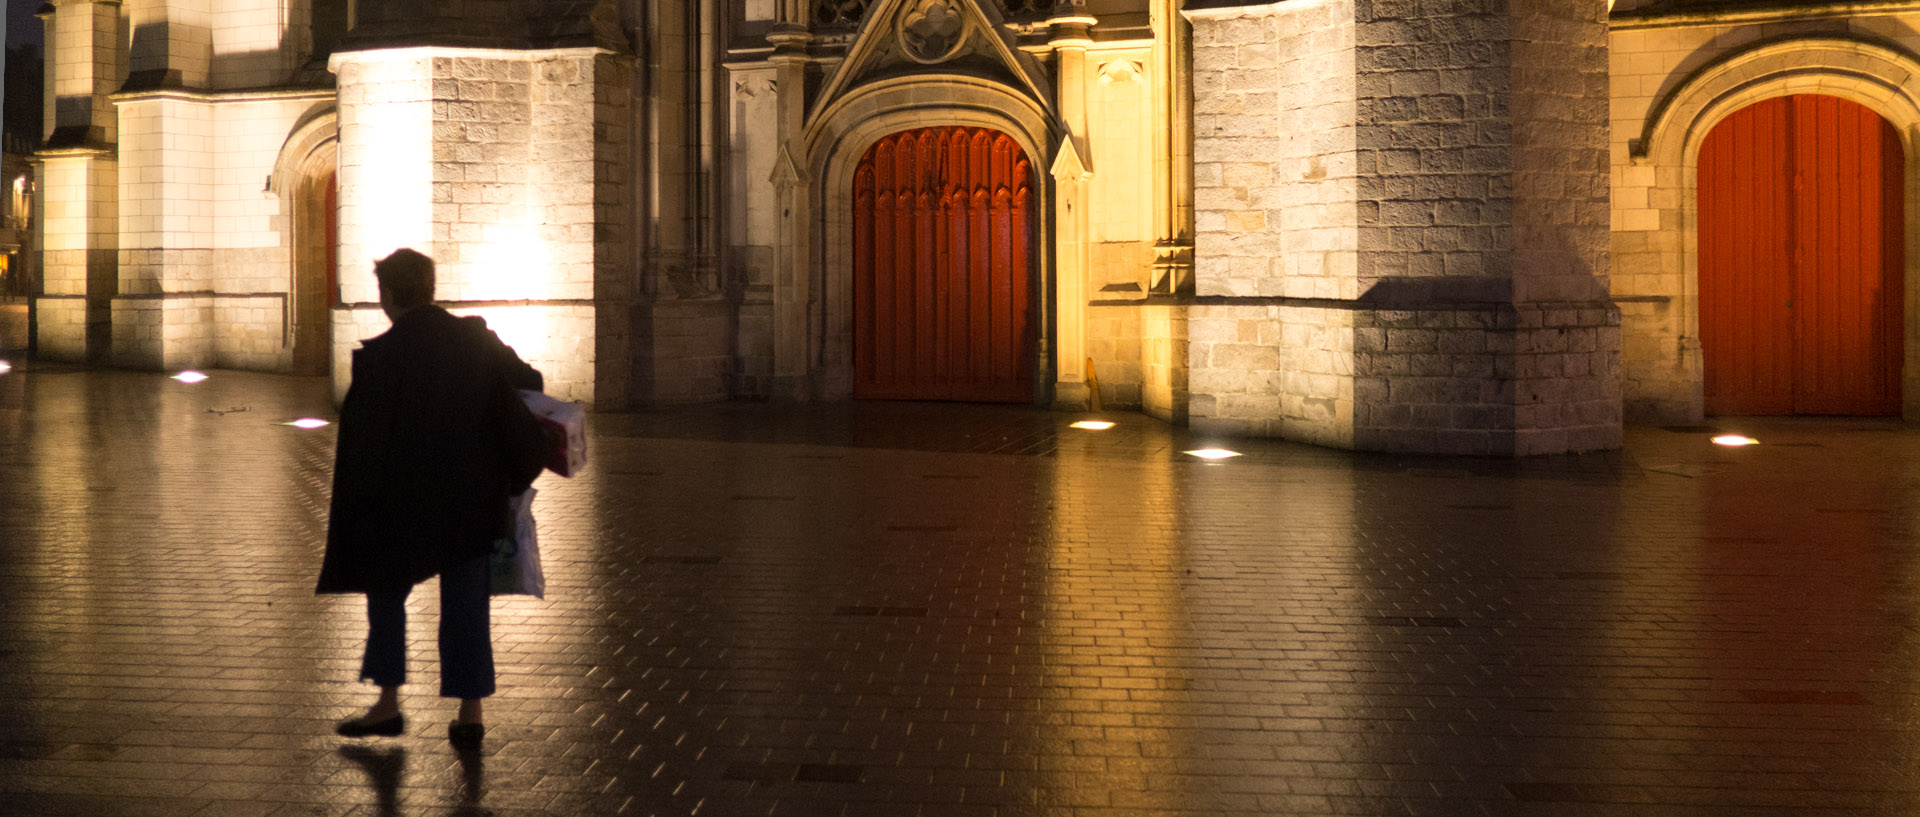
(516, 558)
(566, 425)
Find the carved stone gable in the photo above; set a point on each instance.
(924, 37)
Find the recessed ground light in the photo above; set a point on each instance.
(190, 376)
(1734, 440)
(1093, 425)
(1212, 453)
(309, 423)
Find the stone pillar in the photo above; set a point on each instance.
(1073, 250)
(1173, 151)
(508, 167)
(1402, 225)
(795, 335)
(80, 182)
(1163, 336)
(171, 45)
(681, 321)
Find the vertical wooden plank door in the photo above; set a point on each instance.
(941, 268)
(1802, 250)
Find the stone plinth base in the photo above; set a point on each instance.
(160, 332)
(64, 322)
(682, 352)
(1478, 379)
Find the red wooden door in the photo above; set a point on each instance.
(1802, 251)
(940, 270)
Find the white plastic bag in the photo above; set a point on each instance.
(516, 559)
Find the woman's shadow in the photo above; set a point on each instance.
(386, 768)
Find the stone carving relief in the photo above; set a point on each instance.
(1121, 72)
(932, 31)
(750, 88)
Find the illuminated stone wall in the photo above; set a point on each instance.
(79, 236)
(80, 182)
(509, 169)
(198, 226)
(1119, 93)
(1401, 215)
(1275, 120)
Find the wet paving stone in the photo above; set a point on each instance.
(912, 609)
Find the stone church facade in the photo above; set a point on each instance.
(1469, 226)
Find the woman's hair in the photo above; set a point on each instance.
(407, 277)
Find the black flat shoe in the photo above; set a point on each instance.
(361, 727)
(466, 736)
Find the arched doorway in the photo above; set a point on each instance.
(942, 268)
(1801, 257)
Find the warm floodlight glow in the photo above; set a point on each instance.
(190, 376)
(1212, 453)
(386, 195)
(5, 367)
(1093, 425)
(309, 423)
(1734, 440)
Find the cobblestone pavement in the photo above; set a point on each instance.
(936, 610)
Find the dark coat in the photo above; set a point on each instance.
(426, 458)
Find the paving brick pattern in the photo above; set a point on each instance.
(936, 610)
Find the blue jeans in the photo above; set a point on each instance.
(466, 643)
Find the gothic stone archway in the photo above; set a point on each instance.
(839, 137)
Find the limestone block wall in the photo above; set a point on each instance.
(1673, 77)
(250, 332)
(62, 327)
(197, 221)
(1401, 214)
(1277, 216)
(1273, 370)
(155, 332)
(1114, 344)
(508, 167)
(85, 64)
(1164, 333)
(1275, 207)
(251, 43)
(166, 195)
(688, 356)
(80, 239)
